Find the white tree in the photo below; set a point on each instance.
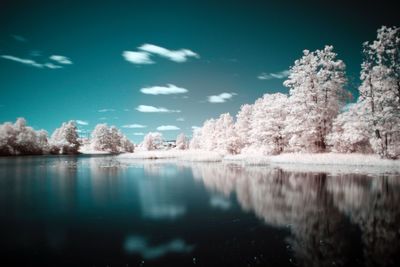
(20, 139)
(208, 139)
(152, 141)
(350, 131)
(65, 140)
(380, 91)
(243, 124)
(268, 123)
(196, 139)
(316, 84)
(226, 137)
(110, 139)
(181, 142)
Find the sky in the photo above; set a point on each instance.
(165, 65)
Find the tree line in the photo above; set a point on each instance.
(314, 116)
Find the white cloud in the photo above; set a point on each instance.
(163, 90)
(221, 98)
(180, 119)
(145, 108)
(52, 66)
(61, 59)
(180, 55)
(167, 128)
(277, 75)
(195, 127)
(137, 57)
(140, 245)
(25, 61)
(106, 110)
(80, 122)
(138, 133)
(35, 64)
(131, 126)
(220, 202)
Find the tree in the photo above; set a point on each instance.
(268, 123)
(152, 141)
(110, 139)
(380, 91)
(65, 140)
(316, 83)
(181, 142)
(350, 132)
(196, 139)
(226, 139)
(243, 124)
(20, 139)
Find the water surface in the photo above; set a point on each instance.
(100, 211)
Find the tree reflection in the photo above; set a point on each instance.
(316, 208)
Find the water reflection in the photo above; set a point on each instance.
(316, 208)
(212, 212)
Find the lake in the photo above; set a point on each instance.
(103, 211)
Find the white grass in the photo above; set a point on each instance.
(89, 151)
(185, 155)
(322, 162)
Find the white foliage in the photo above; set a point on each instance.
(110, 139)
(316, 84)
(152, 141)
(267, 131)
(380, 91)
(181, 142)
(350, 132)
(65, 140)
(19, 139)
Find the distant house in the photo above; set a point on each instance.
(168, 144)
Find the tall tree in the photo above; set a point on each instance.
(268, 123)
(380, 91)
(316, 83)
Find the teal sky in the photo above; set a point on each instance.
(235, 42)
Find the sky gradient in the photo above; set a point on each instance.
(192, 60)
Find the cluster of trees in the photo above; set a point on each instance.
(20, 139)
(110, 139)
(155, 141)
(313, 117)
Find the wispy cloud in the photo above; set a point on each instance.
(106, 110)
(138, 134)
(180, 119)
(179, 56)
(167, 128)
(150, 109)
(52, 66)
(33, 63)
(25, 61)
(132, 126)
(277, 75)
(137, 57)
(103, 118)
(163, 90)
(221, 98)
(80, 122)
(61, 59)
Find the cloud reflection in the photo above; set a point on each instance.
(140, 245)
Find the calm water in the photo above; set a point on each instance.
(98, 211)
